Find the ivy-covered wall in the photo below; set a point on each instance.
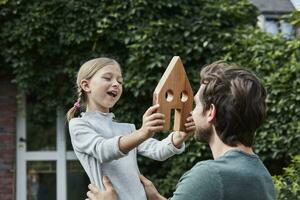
(43, 43)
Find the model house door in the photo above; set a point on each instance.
(47, 168)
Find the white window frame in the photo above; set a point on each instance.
(60, 155)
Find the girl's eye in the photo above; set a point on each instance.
(107, 78)
(120, 82)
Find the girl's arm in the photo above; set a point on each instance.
(173, 144)
(87, 141)
(152, 122)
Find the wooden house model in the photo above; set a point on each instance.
(174, 92)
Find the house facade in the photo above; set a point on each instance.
(271, 12)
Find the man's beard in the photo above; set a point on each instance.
(203, 134)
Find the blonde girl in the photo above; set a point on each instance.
(105, 147)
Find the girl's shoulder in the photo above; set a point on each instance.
(77, 121)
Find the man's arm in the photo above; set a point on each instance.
(110, 194)
(201, 182)
(151, 191)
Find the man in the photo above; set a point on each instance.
(230, 107)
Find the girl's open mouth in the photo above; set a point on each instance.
(112, 93)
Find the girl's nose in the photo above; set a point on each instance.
(116, 83)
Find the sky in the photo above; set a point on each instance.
(296, 4)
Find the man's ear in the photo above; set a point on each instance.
(85, 85)
(212, 113)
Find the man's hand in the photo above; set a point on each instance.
(109, 192)
(151, 191)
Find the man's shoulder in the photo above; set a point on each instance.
(202, 180)
(209, 165)
(207, 170)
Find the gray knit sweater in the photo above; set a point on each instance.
(95, 137)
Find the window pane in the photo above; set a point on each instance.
(271, 26)
(77, 181)
(41, 180)
(41, 128)
(286, 29)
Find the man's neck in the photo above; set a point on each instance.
(219, 148)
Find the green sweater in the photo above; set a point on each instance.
(233, 176)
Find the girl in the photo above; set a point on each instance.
(106, 147)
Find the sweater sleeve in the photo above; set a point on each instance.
(159, 150)
(201, 182)
(85, 140)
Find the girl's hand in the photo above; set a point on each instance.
(152, 121)
(179, 137)
(190, 126)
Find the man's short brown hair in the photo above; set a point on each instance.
(239, 98)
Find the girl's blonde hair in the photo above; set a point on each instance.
(87, 71)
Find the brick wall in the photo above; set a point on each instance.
(8, 110)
